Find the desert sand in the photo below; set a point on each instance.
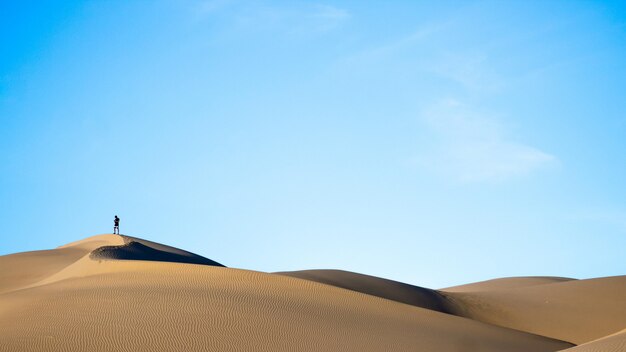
(112, 292)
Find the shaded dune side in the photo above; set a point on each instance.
(112, 246)
(611, 343)
(565, 309)
(506, 283)
(576, 311)
(134, 250)
(376, 286)
(160, 247)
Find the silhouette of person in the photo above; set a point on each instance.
(116, 225)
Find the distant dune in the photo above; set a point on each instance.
(120, 293)
(612, 343)
(375, 286)
(577, 311)
(506, 283)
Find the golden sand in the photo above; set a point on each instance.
(113, 292)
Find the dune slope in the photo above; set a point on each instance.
(22, 269)
(376, 286)
(99, 303)
(576, 311)
(158, 306)
(28, 268)
(134, 250)
(612, 343)
(506, 283)
(105, 247)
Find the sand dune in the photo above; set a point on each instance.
(612, 343)
(135, 250)
(22, 269)
(510, 311)
(114, 292)
(104, 247)
(376, 286)
(579, 312)
(576, 311)
(506, 283)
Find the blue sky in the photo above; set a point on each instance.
(435, 143)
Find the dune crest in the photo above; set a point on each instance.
(612, 343)
(576, 311)
(80, 258)
(138, 249)
(93, 242)
(506, 283)
(110, 246)
(376, 286)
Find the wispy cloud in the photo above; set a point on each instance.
(473, 147)
(290, 18)
(207, 7)
(202, 10)
(469, 144)
(469, 69)
(397, 46)
(329, 17)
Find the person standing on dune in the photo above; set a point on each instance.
(116, 225)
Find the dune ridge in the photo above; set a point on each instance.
(507, 283)
(577, 311)
(23, 269)
(612, 343)
(376, 286)
(103, 247)
(136, 250)
(34, 268)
